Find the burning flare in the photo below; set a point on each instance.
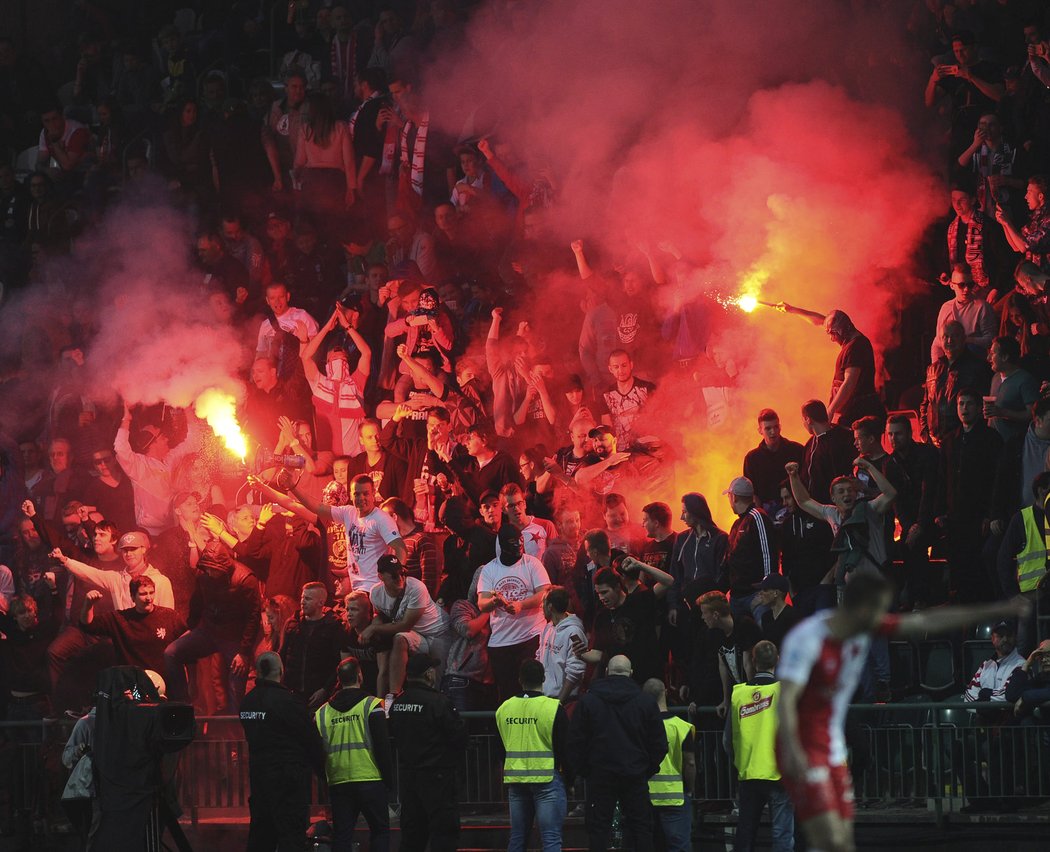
(219, 409)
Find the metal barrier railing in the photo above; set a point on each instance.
(935, 756)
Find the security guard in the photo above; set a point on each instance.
(534, 730)
(430, 739)
(1022, 560)
(359, 763)
(671, 788)
(283, 748)
(751, 733)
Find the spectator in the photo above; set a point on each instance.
(178, 550)
(139, 634)
(559, 558)
(627, 623)
(535, 532)
(310, 650)
(623, 534)
(968, 467)
(282, 317)
(853, 388)
(224, 619)
(915, 506)
(386, 469)
(1029, 686)
(563, 669)
(511, 588)
(109, 490)
(858, 525)
(734, 636)
(956, 369)
(468, 679)
(488, 468)
(751, 553)
(1014, 389)
(338, 394)
(617, 742)
(671, 788)
(370, 533)
(23, 652)
(409, 623)
(829, 450)
(764, 465)
(626, 400)
(285, 548)
(1033, 239)
(134, 549)
(995, 162)
(359, 766)
(805, 556)
(970, 240)
(285, 119)
(990, 679)
(972, 85)
(973, 313)
(63, 141)
(150, 469)
(778, 616)
(422, 561)
(324, 164)
(659, 546)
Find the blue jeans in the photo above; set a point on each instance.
(675, 824)
(754, 795)
(544, 803)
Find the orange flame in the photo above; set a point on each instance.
(219, 409)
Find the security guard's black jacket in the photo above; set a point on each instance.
(427, 729)
(280, 730)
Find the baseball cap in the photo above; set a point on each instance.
(389, 564)
(774, 582)
(131, 540)
(741, 487)
(419, 664)
(1005, 628)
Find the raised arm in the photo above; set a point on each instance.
(806, 503)
(310, 349)
(884, 501)
(946, 619)
(586, 475)
(581, 259)
(283, 500)
(663, 581)
(812, 316)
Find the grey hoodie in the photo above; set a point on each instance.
(556, 654)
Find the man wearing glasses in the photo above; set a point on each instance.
(109, 489)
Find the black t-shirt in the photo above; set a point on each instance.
(139, 639)
(658, 553)
(733, 648)
(630, 629)
(388, 475)
(856, 353)
(775, 629)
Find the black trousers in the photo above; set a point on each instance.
(604, 790)
(429, 810)
(356, 798)
(280, 809)
(505, 663)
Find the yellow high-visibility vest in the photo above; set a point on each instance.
(666, 787)
(526, 726)
(755, 731)
(1031, 562)
(348, 742)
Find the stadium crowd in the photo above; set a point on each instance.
(436, 475)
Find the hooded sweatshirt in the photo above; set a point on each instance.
(556, 654)
(617, 729)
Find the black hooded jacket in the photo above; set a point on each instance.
(617, 729)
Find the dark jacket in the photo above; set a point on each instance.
(696, 565)
(311, 652)
(279, 730)
(805, 549)
(827, 456)
(230, 607)
(765, 469)
(382, 753)
(427, 729)
(752, 551)
(916, 501)
(969, 461)
(616, 729)
(293, 550)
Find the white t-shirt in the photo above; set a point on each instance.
(287, 321)
(515, 583)
(367, 539)
(416, 596)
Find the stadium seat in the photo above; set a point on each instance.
(904, 670)
(936, 666)
(975, 652)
